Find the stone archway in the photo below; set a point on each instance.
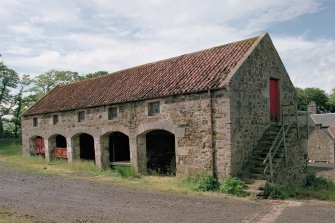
(57, 146)
(36, 146)
(157, 152)
(83, 146)
(116, 149)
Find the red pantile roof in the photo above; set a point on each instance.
(332, 131)
(194, 72)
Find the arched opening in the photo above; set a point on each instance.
(86, 144)
(58, 146)
(83, 146)
(37, 146)
(116, 149)
(160, 152)
(119, 151)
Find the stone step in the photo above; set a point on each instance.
(256, 187)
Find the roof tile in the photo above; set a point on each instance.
(194, 72)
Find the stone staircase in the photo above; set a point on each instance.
(253, 171)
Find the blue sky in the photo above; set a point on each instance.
(87, 36)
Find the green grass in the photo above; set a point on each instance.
(125, 171)
(122, 176)
(315, 187)
(233, 186)
(10, 150)
(201, 181)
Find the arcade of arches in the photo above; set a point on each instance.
(159, 149)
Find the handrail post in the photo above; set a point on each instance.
(285, 148)
(297, 120)
(271, 168)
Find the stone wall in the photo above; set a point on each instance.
(250, 100)
(188, 117)
(320, 146)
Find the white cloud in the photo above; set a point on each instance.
(87, 36)
(309, 63)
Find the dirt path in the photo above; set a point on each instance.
(53, 198)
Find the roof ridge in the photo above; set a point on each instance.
(192, 72)
(162, 60)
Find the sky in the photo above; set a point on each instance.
(87, 36)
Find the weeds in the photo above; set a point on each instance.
(202, 181)
(125, 171)
(10, 150)
(233, 186)
(315, 187)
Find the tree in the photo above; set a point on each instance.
(305, 96)
(95, 74)
(47, 81)
(22, 102)
(8, 81)
(331, 101)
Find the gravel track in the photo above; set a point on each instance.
(53, 198)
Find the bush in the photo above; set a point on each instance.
(276, 191)
(233, 186)
(315, 187)
(319, 183)
(202, 181)
(124, 171)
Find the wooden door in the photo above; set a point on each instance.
(274, 100)
(39, 145)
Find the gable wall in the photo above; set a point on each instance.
(249, 95)
(320, 147)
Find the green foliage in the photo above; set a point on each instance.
(315, 187)
(95, 74)
(319, 183)
(276, 191)
(233, 186)
(10, 150)
(202, 181)
(324, 103)
(125, 171)
(8, 82)
(47, 81)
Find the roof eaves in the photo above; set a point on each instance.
(36, 103)
(129, 101)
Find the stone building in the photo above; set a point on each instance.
(206, 110)
(321, 141)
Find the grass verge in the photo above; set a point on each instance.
(315, 187)
(121, 176)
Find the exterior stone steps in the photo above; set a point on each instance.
(256, 187)
(254, 169)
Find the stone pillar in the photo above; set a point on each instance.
(97, 152)
(69, 149)
(52, 145)
(48, 150)
(26, 144)
(104, 149)
(133, 153)
(141, 154)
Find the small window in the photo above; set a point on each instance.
(81, 116)
(35, 122)
(153, 108)
(55, 119)
(112, 113)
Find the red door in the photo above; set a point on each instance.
(274, 100)
(39, 145)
